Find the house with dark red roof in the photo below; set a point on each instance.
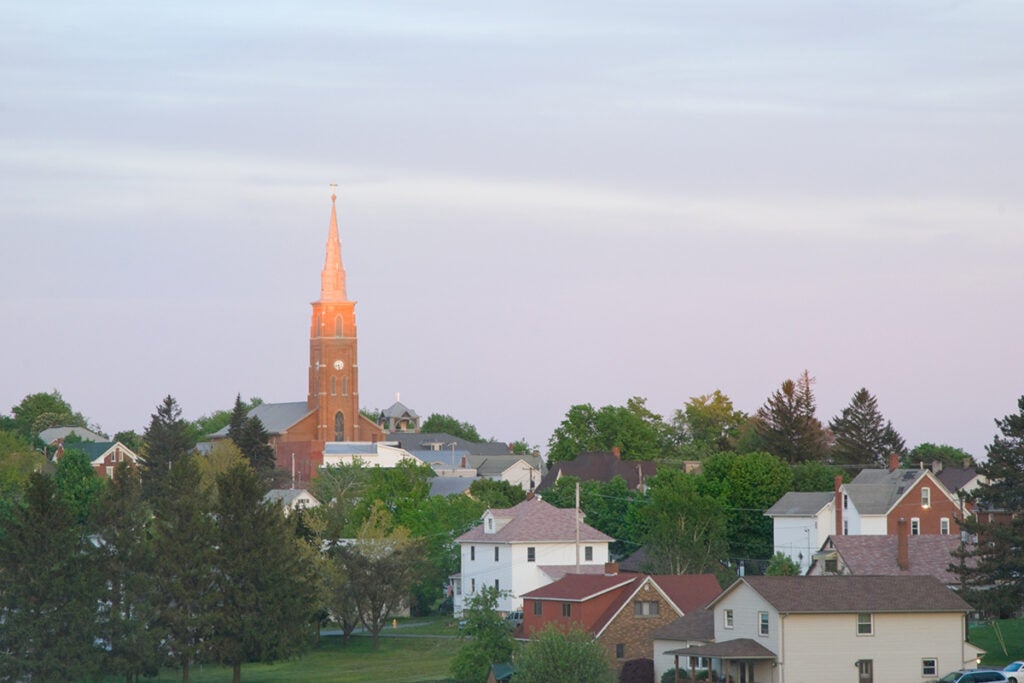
(621, 610)
(600, 466)
(520, 549)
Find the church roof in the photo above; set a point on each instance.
(399, 409)
(277, 418)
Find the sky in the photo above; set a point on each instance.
(541, 204)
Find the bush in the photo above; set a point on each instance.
(684, 675)
(637, 671)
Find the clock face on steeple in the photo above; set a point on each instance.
(339, 365)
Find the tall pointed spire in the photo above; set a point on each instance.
(332, 277)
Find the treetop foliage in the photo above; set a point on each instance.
(446, 424)
(862, 435)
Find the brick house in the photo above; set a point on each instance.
(620, 610)
(104, 456)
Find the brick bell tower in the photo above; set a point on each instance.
(333, 368)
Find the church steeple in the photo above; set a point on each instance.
(332, 277)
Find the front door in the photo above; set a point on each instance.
(865, 671)
(746, 672)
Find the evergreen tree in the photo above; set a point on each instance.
(168, 439)
(251, 438)
(787, 424)
(127, 612)
(992, 569)
(183, 547)
(239, 414)
(266, 585)
(49, 591)
(862, 436)
(77, 483)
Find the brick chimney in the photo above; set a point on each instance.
(902, 545)
(839, 505)
(616, 452)
(611, 568)
(463, 463)
(894, 462)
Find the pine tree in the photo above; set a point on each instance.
(183, 547)
(992, 569)
(787, 424)
(251, 437)
(49, 591)
(168, 439)
(127, 613)
(266, 584)
(862, 435)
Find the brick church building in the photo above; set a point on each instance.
(299, 430)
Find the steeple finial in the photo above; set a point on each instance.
(332, 277)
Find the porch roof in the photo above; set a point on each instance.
(739, 648)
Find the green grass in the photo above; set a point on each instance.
(399, 660)
(984, 636)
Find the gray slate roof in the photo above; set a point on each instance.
(800, 503)
(424, 441)
(955, 478)
(493, 465)
(875, 491)
(50, 435)
(447, 486)
(276, 417)
(852, 594)
(398, 409)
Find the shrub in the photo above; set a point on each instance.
(637, 671)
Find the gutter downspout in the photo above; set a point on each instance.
(782, 648)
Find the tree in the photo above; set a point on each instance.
(48, 586)
(446, 424)
(265, 584)
(609, 507)
(168, 439)
(638, 432)
(127, 612)
(184, 540)
(991, 571)
(522, 447)
(707, 424)
(487, 638)
(131, 439)
(862, 436)
(251, 437)
(18, 460)
(340, 488)
(382, 566)
(40, 411)
(557, 656)
(815, 476)
(223, 456)
(787, 424)
(684, 529)
(637, 671)
(496, 493)
(782, 564)
(928, 453)
(77, 483)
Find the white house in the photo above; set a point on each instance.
(292, 499)
(375, 454)
(801, 522)
(841, 629)
(522, 548)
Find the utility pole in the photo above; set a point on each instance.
(577, 527)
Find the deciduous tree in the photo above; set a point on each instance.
(77, 483)
(928, 453)
(707, 424)
(446, 424)
(496, 494)
(40, 411)
(558, 656)
(638, 432)
(487, 638)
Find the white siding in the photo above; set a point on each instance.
(799, 537)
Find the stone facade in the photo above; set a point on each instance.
(633, 631)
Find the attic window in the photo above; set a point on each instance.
(926, 496)
(490, 524)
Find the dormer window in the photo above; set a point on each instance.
(490, 524)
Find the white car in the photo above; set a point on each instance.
(974, 676)
(1014, 672)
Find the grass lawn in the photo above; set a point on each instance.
(399, 660)
(987, 636)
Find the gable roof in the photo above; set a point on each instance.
(877, 555)
(437, 441)
(447, 486)
(696, 625)
(277, 418)
(800, 504)
(599, 466)
(398, 409)
(876, 491)
(852, 594)
(97, 450)
(287, 496)
(494, 465)
(580, 587)
(955, 478)
(534, 521)
(48, 436)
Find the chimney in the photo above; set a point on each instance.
(616, 452)
(894, 462)
(902, 545)
(839, 505)
(463, 462)
(611, 568)
(936, 466)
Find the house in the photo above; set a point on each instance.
(524, 470)
(104, 456)
(801, 522)
(775, 629)
(621, 610)
(690, 630)
(52, 435)
(376, 454)
(524, 547)
(877, 498)
(292, 499)
(897, 555)
(601, 466)
(960, 481)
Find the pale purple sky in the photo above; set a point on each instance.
(541, 204)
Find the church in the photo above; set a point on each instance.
(300, 430)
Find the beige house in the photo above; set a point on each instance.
(841, 629)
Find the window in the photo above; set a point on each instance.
(531, 554)
(588, 553)
(728, 618)
(497, 584)
(929, 667)
(865, 670)
(846, 528)
(865, 626)
(846, 501)
(620, 651)
(334, 384)
(915, 526)
(458, 587)
(643, 608)
(495, 553)
(339, 426)
(944, 526)
(538, 608)
(344, 386)
(831, 565)
(762, 623)
(472, 552)
(566, 609)
(472, 585)
(490, 524)
(926, 496)
(339, 327)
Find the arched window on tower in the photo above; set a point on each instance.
(344, 386)
(334, 384)
(320, 325)
(339, 327)
(339, 426)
